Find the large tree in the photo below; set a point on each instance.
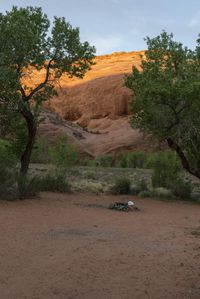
(29, 46)
(166, 97)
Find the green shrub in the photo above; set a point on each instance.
(122, 186)
(28, 187)
(195, 196)
(145, 193)
(121, 160)
(92, 163)
(4, 143)
(142, 185)
(40, 152)
(105, 161)
(150, 161)
(63, 155)
(8, 170)
(138, 187)
(166, 168)
(7, 157)
(134, 189)
(181, 188)
(54, 182)
(136, 160)
(18, 143)
(90, 175)
(132, 160)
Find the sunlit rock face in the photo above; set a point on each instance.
(100, 105)
(100, 94)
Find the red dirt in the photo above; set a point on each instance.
(71, 246)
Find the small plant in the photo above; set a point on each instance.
(122, 186)
(181, 188)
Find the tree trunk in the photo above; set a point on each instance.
(185, 163)
(32, 129)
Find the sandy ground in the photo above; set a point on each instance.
(71, 246)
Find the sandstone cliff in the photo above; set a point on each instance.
(100, 104)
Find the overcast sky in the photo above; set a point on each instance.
(121, 25)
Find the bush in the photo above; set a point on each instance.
(139, 187)
(105, 161)
(182, 188)
(136, 160)
(40, 152)
(28, 187)
(56, 182)
(18, 143)
(7, 157)
(92, 163)
(121, 160)
(162, 193)
(195, 196)
(132, 160)
(166, 168)
(122, 186)
(63, 155)
(142, 185)
(145, 193)
(90, 175)
(134, 189)
(8, 170)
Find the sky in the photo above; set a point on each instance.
(122, 25)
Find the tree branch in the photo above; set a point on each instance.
(21, 88)
(41, 85)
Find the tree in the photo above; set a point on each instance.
(27, 47)
(166, 100)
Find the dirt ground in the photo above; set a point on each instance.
(73, 247)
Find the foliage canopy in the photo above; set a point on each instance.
(28, 44)
(166, 100)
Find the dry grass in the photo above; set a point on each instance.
(97, 180)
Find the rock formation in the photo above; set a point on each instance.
(96, 108)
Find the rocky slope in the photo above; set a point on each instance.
(121, 137)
